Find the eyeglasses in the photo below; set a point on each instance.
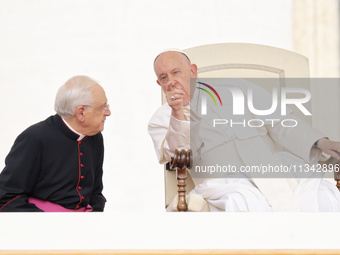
(103, 108)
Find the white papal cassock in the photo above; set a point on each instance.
(237, 146)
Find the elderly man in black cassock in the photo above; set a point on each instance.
(56, 164)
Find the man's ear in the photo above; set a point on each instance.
(80, 113)
(158, 82)
(194, 70)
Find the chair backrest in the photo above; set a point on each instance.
(279, 67)
(249, 61)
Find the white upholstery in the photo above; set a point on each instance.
(243, 60)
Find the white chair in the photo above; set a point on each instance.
(243, 60)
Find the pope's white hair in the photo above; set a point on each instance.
(75, 92)
(174, 50)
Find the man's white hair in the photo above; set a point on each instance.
(75, 92)
(175, 50)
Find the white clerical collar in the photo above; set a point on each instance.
(81, 136)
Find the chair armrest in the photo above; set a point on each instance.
(335, 166)
(181, 161)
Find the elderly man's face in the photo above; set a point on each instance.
(173, 70)
(96, 114)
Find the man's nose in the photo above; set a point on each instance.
(107, 112)
(171, 83)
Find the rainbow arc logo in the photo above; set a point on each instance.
(209, 93)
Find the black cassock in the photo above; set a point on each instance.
(48, 163)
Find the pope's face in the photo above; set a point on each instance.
(174, 71)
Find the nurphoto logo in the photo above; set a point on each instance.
(242, 98)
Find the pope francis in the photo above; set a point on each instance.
(176, 121)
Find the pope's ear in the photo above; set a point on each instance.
(194, 70)
(80, 113)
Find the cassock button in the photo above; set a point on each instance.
(77, 206)
(82, 197)
(81, 165)
(82, 177)
(79, 187)
(81, 154)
